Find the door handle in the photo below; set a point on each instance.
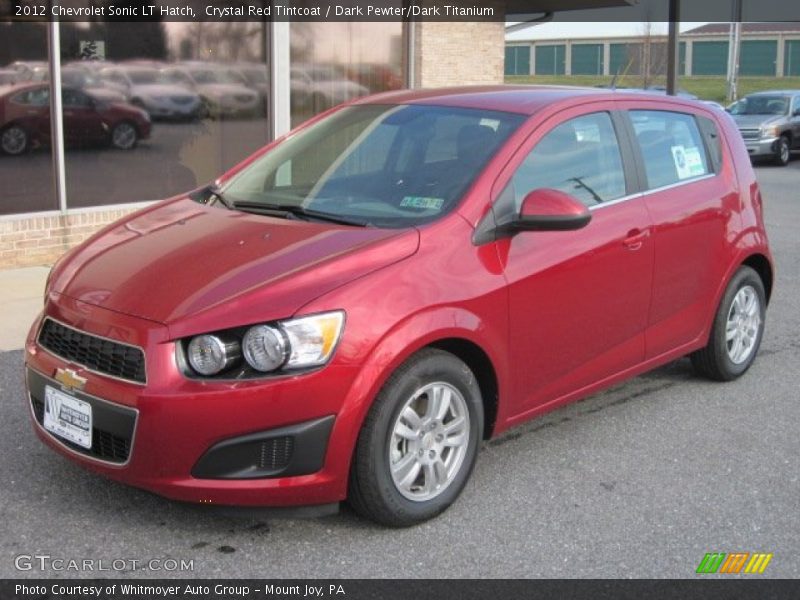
(635, 239)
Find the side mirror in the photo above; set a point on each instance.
(551, 210)
(796, 112)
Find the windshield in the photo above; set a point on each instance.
(144, 76)
(761, 105)
(388, 166)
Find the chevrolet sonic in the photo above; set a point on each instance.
(348, 313)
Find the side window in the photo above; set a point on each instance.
(34, 97)
(713, 141)
(75, 99)
(672, 147)
(795, 105)
(580, 157)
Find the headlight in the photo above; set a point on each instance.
(770, 131)
(265, 348)
(312, 339)
(210, 354)
(291, 344)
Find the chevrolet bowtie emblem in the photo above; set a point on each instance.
(70, 379)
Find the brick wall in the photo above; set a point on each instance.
(28, 241)
(451, 54)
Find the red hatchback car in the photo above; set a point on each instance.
(89, 119)
(349, 312)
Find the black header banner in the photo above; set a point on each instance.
(393, 10)
(420, 589)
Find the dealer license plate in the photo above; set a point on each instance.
(68, 417)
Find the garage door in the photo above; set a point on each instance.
(550, 59)
(710, 58)
(758, 57)
(791, 60)
(518, 60)
(587, 59)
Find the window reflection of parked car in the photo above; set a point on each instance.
(320, 87)
(769, 123)
(25, 68)
(79, 78)
(375, 77)
(255, 77)
(8, 77)
(146, 88)
(222, 91)
(88, 120)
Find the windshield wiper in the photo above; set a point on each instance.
(217, 193)
(297, 211)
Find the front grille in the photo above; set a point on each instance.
(181, 99)
(276, 453)
(105, 445)
(750, 134)
(244, 98)
(95, 353)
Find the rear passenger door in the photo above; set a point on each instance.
(578, 300)
(690, 192)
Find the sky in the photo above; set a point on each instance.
(576, 30)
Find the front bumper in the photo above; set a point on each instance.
(761, 147)
(273, 442)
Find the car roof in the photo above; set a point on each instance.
(521, 99)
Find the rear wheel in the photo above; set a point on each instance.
(783, 151)
(14, 140)
(419, 441)
(737, 330)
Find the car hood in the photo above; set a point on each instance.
(199, 268)
(748, 121)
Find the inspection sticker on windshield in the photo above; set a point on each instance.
(422, 202)
(688, 162)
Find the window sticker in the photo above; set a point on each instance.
(422, 202)
(688, 162)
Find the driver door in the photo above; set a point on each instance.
(578, 300)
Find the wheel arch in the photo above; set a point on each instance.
(481, 366)
(761, 265)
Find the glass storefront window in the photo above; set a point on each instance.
(26, 164)
(336, 62)
(145, 121)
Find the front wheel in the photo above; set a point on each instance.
(419, 441)
(783, 151)
(737, 329)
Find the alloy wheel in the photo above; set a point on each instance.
(743, 324)
(429, 441)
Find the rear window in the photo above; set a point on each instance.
(672, 147)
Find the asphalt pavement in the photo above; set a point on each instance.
(638, 481)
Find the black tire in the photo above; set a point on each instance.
(372, 491)
(783, 151)
(124, 136)
(14, 140)
(714, 361)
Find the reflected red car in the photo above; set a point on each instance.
(347, 314)
(89, 119)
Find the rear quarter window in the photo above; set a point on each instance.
(672, 147)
